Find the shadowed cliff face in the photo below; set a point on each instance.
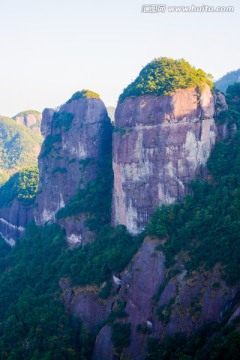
(14, 219)
(69, 159)
(156, 303)
(159, 145)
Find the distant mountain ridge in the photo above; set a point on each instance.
(228, 79)
(30, 118)
(19, 147)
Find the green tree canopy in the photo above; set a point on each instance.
(163, 76)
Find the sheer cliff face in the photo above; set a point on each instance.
(159, 145)
(69, 157)
(14, 219)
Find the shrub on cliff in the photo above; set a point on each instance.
(163, 76)
(83, 94)
(121, 334)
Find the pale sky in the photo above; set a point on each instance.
(49, 49)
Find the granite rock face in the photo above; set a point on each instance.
(159, 146)
(220, 103)
(13, 220)
(46, 122)
(84, 303)
(104, 348)
(69, 158)
(156, 303)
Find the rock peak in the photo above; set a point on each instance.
(83, 94)
(70, 156)
(163, 76)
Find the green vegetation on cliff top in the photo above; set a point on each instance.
(19, 147)
(83, 94)
(163, 76)
(22, 186)
(206, 226)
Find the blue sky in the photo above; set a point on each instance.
(52, 48)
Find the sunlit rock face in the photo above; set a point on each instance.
(159, 146)
(69, 159)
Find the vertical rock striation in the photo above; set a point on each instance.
(159, 146)
(14, 219)
(70, 156)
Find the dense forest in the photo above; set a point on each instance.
(206, 225)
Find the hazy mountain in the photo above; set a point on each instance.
(19, 147)
(228, 79)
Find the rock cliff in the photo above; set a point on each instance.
(160, 144)
(75, 136)
(17, 197)
(14, 219)
(156, 302)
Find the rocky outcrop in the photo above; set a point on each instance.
(13, 220)
(103, 347)
(220, 103)
(31, 119)
(160, 144)
(75, 135)
(46, 122)
(158, 302)
(85, 304)
(77, 233)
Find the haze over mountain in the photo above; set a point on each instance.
(228, 79)
(19, 146)
(30, 118)
(128, 247)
